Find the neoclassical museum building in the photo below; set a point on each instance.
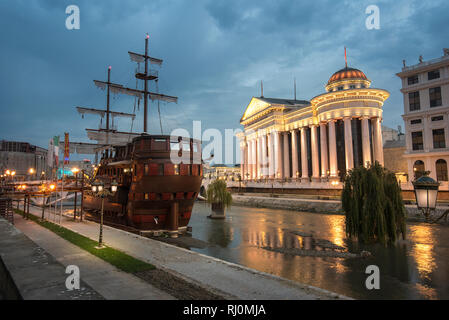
(312, 144)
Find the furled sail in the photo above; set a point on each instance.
(114, 138)
(136, 57)
(102, 113)
(118, 88)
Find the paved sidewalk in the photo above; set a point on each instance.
(107, 280)
(228, 279)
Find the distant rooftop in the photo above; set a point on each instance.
(283, 101)
(428, 62)
(390, 144)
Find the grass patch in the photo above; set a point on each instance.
(115, 257)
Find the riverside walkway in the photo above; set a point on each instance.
(104, 278)
(229, 280)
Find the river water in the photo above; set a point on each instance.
(415, 268)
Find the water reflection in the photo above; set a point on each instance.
(413, 269)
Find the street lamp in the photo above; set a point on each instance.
(426, 193)
(99, 190)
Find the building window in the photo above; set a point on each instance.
(437, 118)
(146, 196)
(438, 139)
(340, 88)
(352, 86)
(435, 74)
(435, 96)
(176, 170)
(146, 169)
(418, 168)
(417, 140)
(412, 79)
(441, 169)
(415, 121)
(413, 98)
(362, 86)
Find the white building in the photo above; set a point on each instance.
(426, 110)
(313, 144)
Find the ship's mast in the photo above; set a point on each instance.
(110, 135)
(145, 99)
(107, 100)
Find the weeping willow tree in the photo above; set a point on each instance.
(218, 195)
(372, 202)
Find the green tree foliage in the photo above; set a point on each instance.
(218, 194)
(372, 202)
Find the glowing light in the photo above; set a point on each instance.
(13, 173)
(31, 170)
(75, 170)
(109, 67)
(8, 172)
(148, 36)
(52, 187)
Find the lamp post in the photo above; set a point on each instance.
(99, 190)
(75, 172)
(426, 193)
(31, 171)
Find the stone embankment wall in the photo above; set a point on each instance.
(318, 206)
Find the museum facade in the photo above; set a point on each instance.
(313, 143)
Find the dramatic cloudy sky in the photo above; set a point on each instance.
(215, 54)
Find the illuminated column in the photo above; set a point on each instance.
(349, 157)
(253, 159)
(304, 162)
(270, 155)
(286, 156)
(259, 157)
(324, 156)
(278, 154)
(366, 147)
(294, 154)
(315, 153)
(242, 159)
(263, 156)
(377, 141)
(333, 168)
(249, 162)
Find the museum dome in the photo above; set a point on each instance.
(347, 74)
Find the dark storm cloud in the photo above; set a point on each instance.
(215, 54)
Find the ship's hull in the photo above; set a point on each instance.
(153, 213)
(153, 192)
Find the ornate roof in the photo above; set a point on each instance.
(347, 73)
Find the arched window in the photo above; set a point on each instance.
(441, 168)
(418, 168)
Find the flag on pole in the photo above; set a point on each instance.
(50, 153)
(56, 148)
(346, 59)
(66, 148)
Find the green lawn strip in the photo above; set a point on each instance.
(115, 257)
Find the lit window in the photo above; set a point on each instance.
(412, 79)
(413, 98)
(435, 74)
(415, 121)
(437, 118)
(441, 170)
(438, 139)
(417, 140)
(435, 96)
